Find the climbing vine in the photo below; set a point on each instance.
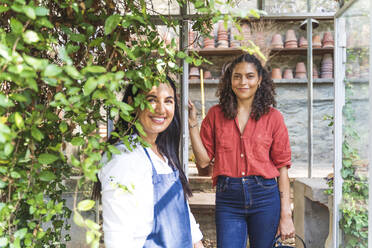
(63, 64)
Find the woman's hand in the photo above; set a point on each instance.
(192, 115)
(198, 245)
(286, 228)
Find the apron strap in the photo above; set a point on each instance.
(152, 164)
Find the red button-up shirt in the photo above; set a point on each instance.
(260, 150)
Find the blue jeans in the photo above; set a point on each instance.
(246, 207)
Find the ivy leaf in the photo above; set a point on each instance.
(36, 133)
(30, 37)
(52, 70)
(85, 205)
(20, 233)
(72, 72)
(29, 12)
(63, 127)
(16, 26)
(77, 141)
(94, 69)
(5, 101)
(111, 23)
(47, 176)
(19, 120)
(78, 219)
(113, 149)
(90, 86)
(41, 11)
(47, 158)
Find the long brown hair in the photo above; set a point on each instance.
(264, 97)
(168, 141)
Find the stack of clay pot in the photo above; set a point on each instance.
(290, 39)
(194, 73)
(328, 40)
(209, 41)
(246, 33)
(317, 41)
(222, 35)
(277, 41)
(191, 39)
(300, 70)
(207, 75)
(259, 39)
(234, 33)
(315, 72)
(303, 42)
(276, 73)
(288, 74)
(326, 70)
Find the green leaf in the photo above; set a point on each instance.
(111, 23)
(78, 219)
(8, 149)
(16, 26)
(181, 55)
(47, 176)
(77, 37)
(19, 120)
(92, 225)
(15, 174)
(44, 22)
(37, 64)
(3, 9)
(89, 237)
(63, 126)
(90, 86)
(63, 55)
(5, 101)
(94, 69)
(113, 149)
(3, 185)
(47, 158)
(85, 205)
(36, 133)
(30, 37)
(20, 233)
(77, 141)
(41, 11)
(72, 72)
(29, 12)
(52, 70)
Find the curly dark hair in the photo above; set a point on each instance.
(264, 97)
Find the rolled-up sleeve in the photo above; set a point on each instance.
(280, 152)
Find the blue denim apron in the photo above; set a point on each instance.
(171, 227)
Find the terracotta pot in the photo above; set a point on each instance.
(290, 44)
(328, 40)
(300, 67)
(290, 35)
(288, 74)
(277, 41)
(315, 72)
(303, 42)
(300, 75)
(222, 44)
(191, 39)
(276, 73)
(317, 41)
(207, 75)
(194, 72)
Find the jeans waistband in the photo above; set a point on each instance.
(228, 179)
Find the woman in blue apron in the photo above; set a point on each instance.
(144, 189)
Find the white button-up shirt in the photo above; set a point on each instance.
(127, 198)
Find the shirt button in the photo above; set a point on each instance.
(243, 173)
(242, 155)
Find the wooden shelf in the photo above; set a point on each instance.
(275, 51)
(357, 80)
(276, 81)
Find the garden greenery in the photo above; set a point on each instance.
(63, 64)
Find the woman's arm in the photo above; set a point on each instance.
(201, 155)
(286, 226)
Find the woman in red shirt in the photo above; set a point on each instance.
(246, 138)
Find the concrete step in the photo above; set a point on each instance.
(202, 200)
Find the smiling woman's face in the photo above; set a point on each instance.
(162, 101)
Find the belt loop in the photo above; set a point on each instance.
(225, 184)
(257, 178)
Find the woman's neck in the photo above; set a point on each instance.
(245, 105)
(151, 140)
